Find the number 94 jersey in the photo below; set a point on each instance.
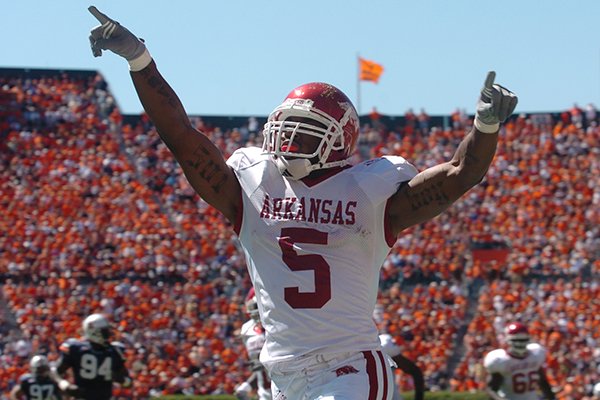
(314, 250)
(520, 375)
(93, 366)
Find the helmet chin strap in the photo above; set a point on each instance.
(294, 169)
(299, 168)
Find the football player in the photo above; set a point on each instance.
(517, 373)
(38, 384)
(253, 335)
(314, 228)
(94, 360)
(389, 347)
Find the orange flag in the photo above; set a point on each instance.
(370, 70)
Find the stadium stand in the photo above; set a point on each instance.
(96, 217)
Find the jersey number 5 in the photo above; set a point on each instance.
(307, 262)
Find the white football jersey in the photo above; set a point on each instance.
(314, 252)
(253, 336)
(521, 375)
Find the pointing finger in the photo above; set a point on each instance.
(489, 80)
(486, 91)
(102, 18)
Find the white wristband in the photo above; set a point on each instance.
(138, 64)
(64, 384)
(485, 128)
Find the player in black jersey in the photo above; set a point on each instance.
(38, 384)
(94, 360)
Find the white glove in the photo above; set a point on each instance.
(64, 384)
(111, 35)
(242, 391)
(495, 104)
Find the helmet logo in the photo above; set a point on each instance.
(298, 103)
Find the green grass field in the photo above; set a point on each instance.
(407, 396)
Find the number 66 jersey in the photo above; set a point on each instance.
(314, 249)
(520, 375)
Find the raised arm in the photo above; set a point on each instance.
(201, 161)
(435, 189)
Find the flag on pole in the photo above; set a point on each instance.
(370, 70)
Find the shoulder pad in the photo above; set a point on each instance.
(494, 361)
(119, 348)
(537, 350)
(380, 177)
(381, 164)
(73, 341)
(244, 157)
(69, 344)
(25, 377)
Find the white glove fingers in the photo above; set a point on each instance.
(512, 104)
(506, 105)
(509, 99)
(486, 91)
(489, 80)
(102, 18)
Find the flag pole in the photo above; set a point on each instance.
(358, 83)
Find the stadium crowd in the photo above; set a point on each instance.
(96, 217)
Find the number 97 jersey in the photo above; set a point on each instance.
(93, 366)
(39, 388)
(520, 375)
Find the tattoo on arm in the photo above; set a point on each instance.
(431, 194)
(207, 169)
(156, 81)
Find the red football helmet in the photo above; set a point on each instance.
(517, 337)
(252, 305)
(315, 109)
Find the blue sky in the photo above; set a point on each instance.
(240, 57)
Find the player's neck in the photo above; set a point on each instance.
(517, 356)
(320, 175)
